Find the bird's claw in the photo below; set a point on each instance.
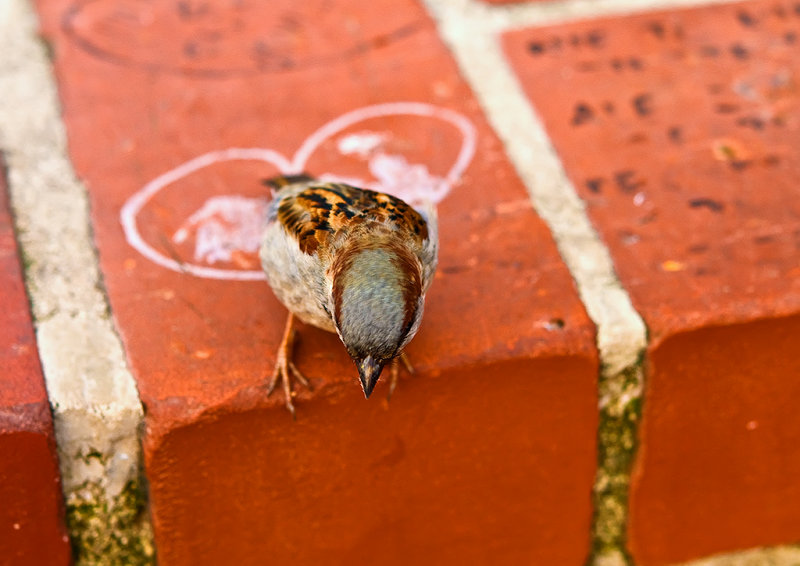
(285, 369)
(395, 372)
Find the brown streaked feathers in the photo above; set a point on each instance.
(316, 214)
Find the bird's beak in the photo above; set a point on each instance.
(369, 370)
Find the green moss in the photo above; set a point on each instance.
(26, 260)
(617, 442)
(110, 533)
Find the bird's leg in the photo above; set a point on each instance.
(395, 371)
(284, 366)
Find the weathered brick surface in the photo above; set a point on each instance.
(32, 527)
(679, 130)
(487, 454)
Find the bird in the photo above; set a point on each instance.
(348, 260)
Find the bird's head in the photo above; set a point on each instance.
(377, 301)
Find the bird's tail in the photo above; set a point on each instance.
(280, 181)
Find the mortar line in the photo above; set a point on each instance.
(97, 413)
(497, 18)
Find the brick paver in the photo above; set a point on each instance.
(32, 527)
(175, 111)
(679, 129)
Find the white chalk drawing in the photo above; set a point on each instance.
(227, 224)
(223, 226)
(361, 143)
(393, 173)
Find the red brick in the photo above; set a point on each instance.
(32, 527)
(679, 130)
(488, 452)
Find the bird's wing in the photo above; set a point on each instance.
(314, 212)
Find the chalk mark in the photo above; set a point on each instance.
(388, 169)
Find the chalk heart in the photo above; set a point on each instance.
(187, 221)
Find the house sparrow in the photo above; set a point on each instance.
(352, 261)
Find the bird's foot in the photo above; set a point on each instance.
(395, 372)
(285, 369)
